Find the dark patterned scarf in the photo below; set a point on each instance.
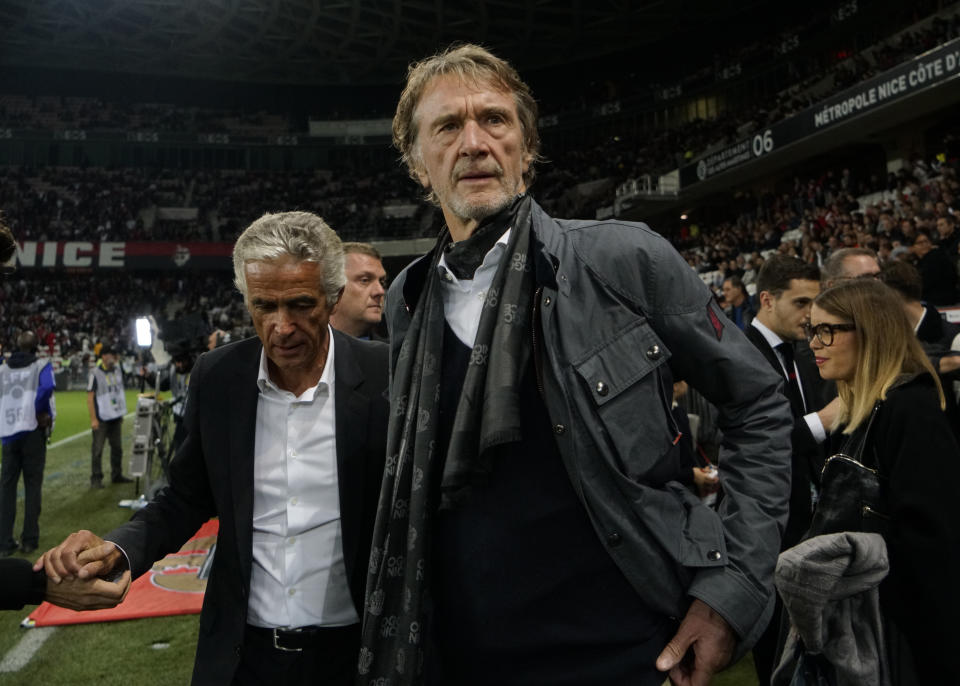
(487, 415)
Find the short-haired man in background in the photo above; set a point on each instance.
(937, 335)
(786, 288)
(938, 270)
(360, 308)
(737, 304)
(849, 263)
(948, 238)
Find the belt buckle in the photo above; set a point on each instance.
(284, 648)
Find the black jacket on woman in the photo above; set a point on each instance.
(918, 457)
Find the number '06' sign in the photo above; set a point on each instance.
(762, 143)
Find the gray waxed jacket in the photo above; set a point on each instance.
(616, 303)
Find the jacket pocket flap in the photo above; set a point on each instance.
(628, 355)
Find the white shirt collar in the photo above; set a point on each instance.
(772, 339)
(923, 315)
(267, 385)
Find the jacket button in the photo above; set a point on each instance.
(653, 352)
(614, 539)
(713, 555)
(559, 429)
(547, 300)
(602, 388)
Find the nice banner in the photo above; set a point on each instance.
(174, 586)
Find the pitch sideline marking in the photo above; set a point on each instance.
(76, 436)
(18, 656)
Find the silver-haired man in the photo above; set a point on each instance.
(285, 443)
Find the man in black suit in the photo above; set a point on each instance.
(285, 443)
(786, 288)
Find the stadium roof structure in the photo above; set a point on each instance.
(332, 42)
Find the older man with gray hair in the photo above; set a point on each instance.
(532, 529)
(285, 443)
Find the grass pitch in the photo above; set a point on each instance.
(108, 653)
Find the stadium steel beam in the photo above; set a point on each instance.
(303, 27)
(333, 41)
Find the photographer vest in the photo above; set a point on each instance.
(18, 393)
(111, 402)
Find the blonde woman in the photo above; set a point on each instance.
(861, 338)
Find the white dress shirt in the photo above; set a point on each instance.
(299, 577)
(812, 419)
(463, 298)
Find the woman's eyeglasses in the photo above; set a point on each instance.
(825, 332)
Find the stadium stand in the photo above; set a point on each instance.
(205, 199)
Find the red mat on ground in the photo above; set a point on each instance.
(171, 587)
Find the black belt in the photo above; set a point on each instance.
(294, 640)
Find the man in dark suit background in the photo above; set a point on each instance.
(786, 288)
(285, 443)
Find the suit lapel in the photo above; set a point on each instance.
(352, 410)
(241, 397)
(758, 340)
(809, 374)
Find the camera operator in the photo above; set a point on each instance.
(176, 379)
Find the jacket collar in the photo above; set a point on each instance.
(545, 245)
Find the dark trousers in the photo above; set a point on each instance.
(329, 659)
(768, 646)
(109, 431)
(26, 456)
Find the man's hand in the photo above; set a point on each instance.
(706, 481)
(82, 555)
(949, 363)
(94, 424)
(89, 594)
(702, 646)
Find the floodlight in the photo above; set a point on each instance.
(144, 334)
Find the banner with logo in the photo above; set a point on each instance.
(173, 586)
(90, 256)
(932, 69)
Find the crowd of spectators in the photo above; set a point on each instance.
(96, 204)
(910, 215)
(809, 219)
(815, 216)
(629, 151)
(823, 62)
(73, 313)
(48, 112)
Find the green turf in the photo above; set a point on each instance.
(107, 653)
(119, 653)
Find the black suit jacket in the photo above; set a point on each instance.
(807, 454)
(212, 475)
(19, 584)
